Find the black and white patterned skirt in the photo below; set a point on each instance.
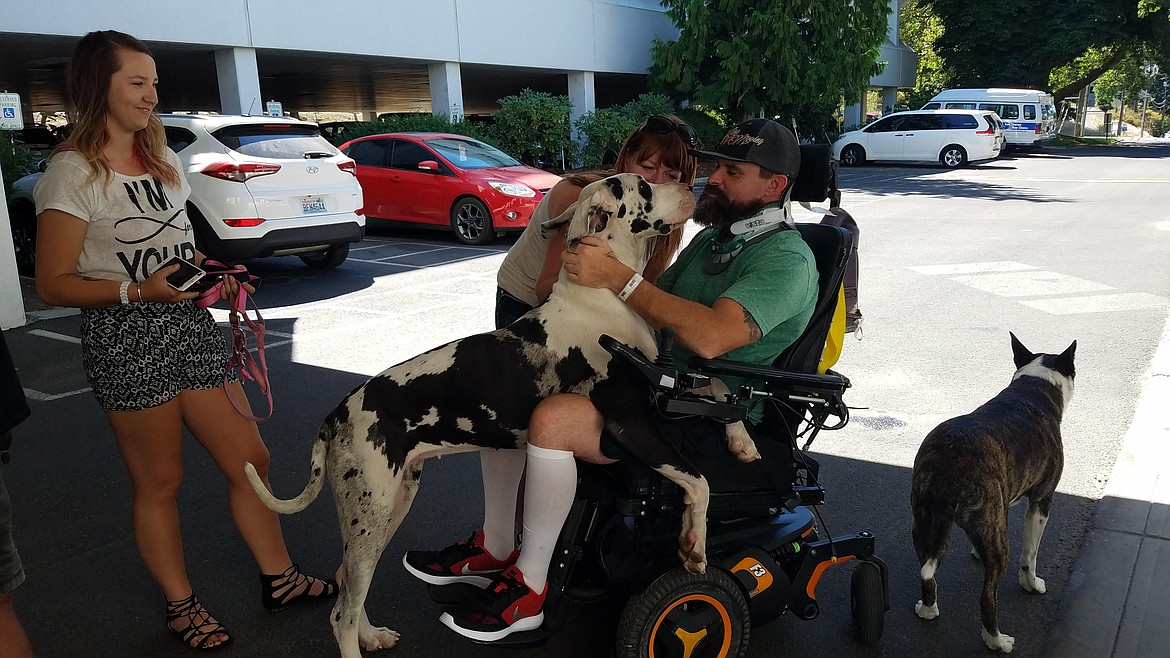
(138, 356)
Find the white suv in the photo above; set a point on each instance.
(952, 137)
(267, 186)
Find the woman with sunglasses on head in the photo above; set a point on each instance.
(657, 150)
(111, 210)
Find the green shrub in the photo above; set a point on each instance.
(412, 122)
(709, 125)
(533, 127)
(15, 159)
(603, 132)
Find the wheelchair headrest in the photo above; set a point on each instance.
(818, 174)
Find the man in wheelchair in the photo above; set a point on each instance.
(744, 290)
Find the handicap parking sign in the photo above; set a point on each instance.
(11, 117)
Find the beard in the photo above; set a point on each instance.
(715, 209)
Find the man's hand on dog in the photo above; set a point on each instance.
(594, 265)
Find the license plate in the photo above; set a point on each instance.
(312, 205)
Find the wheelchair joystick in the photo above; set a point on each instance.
(665, 356)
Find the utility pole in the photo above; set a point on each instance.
(1145, 104)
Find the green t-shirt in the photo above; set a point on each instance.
(775, 280)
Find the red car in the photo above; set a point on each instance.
(441, 179)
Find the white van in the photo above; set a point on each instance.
(1028, 115)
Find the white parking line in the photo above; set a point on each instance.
(1131, 301)
(55, 336)
(972, 268)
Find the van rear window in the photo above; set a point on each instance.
(959, 121)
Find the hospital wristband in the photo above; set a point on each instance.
(123, 288)
(630, 286)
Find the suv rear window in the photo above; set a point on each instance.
(278, 141)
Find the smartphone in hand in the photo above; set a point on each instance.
(186, 276)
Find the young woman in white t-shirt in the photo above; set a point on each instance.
(111, 210)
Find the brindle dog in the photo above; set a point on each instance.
(970, 469)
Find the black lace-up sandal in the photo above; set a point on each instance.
(200, 630)
(292, 586)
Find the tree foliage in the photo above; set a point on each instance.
(1001, 43)
(789, 59)
(533, 126)
(919, 27)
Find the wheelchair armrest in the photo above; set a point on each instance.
(830, 382)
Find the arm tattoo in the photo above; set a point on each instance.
(754, 332)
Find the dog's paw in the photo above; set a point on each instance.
(740, 443)
(926, 611)
(694, 562)
(381, 638)
(1032, 582)
(1001, 642)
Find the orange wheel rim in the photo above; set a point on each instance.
(691, 639)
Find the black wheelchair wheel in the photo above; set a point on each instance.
(867, 603)
(684, 614)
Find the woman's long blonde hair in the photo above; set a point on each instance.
(673, 152)
(94, 62)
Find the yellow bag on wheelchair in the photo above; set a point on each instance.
(835, 341)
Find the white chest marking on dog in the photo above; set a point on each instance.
(1037, 369)
(464, 424)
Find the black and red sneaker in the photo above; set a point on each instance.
(507, 606)
(464, 562)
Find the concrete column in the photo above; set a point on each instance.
(446, 90)
(889, 99)
(581, 93)
(853, 115)
(239, 82)
(11, 299)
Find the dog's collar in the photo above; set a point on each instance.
(731, 241)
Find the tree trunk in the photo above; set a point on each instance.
(1076, 86)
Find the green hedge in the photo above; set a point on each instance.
(15, 159)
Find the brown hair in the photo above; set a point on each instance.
(673, 152)
(95, 60)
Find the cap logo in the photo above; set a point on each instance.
(736, 138)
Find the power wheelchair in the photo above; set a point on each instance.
(765, 550)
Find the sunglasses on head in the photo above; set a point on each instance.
(662, 125)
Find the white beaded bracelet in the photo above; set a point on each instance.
(122, 292)
(630, 286)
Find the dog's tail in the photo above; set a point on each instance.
(312, 489)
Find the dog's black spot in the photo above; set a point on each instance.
(621, 211)
(350, 474)
(574, 369)
(639, 225)
(354, 522)
(615, 187)
(647, 193)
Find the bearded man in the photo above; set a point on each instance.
(743, 289)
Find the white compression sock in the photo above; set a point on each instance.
(502, 470)
(548, 496)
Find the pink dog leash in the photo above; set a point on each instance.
(240, 358)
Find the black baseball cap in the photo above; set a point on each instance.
(762, 142)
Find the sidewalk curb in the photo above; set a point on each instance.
(1117, 602)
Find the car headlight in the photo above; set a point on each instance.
(513, 189)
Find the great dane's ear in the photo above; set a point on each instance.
(577, 228)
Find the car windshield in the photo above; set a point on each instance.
(470, 154)
(278, 141)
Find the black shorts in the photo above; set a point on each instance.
(139, 356)
(696, 436)
(509, 308)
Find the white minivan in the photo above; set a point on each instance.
(952, 137)
(1028, 115)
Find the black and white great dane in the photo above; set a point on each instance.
(478, 393)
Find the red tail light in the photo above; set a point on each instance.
(989, 131)
(244, 223)
(1037, 130)
(349, 167)
(239, 173)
